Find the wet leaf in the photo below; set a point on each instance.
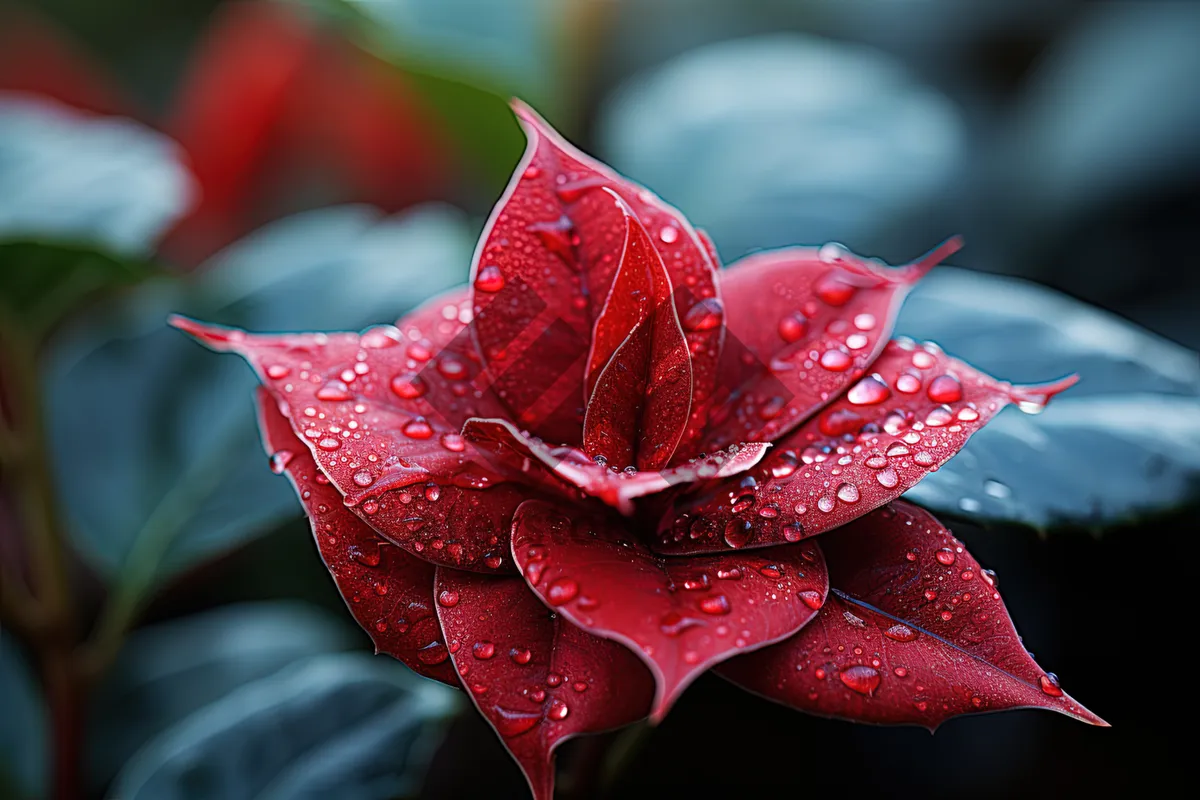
(803, 324)
(544, 266)
(388, 591)
(380, 412)
(904, 420)
(681, 616)
(562, 470)
(537, 679)
(914, 633)
(343, 725)
(168, 671)
(154, 436)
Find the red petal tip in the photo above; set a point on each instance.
(918, 269)
(217, 337)
(1033, 398)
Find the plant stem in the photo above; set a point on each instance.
(45, 615)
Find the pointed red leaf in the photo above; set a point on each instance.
(537, 679)
(543, 270)
(914, 411)
(381, 412)
(638, 408)
(389, 592)
(681, 616)
(914, 633)
(802, 325)
(567, 471)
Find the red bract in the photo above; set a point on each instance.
(592, 479)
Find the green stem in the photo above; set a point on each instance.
(150, 546)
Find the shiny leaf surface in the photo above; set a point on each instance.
(544, 267)
(563, 470)
(381, 412)
(915, 410)
(914, 632)
(537, 679)
(681, 616)
(803, 324)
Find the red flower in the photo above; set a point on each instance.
(555, 489)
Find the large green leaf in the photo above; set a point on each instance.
(83, 200)
(154, 442)
(1121, 445)
(166, 672)
(786, 139)
(23, 758)
(345, 726)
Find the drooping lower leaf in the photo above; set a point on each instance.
(914, 632)
(381, 412)
(344, 725)
(537, 679)
(914, 411)
(681, 616)
(389, 591)
(568, 472)
(169, 670)
(802, 325)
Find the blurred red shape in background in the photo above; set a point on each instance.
(276, 114)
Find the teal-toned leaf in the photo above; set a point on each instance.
(1121, 445)
(345, 726)
(23, 732)
(786, 139)
(154, 441)
(69, 177)
(83, 200)
(168, 671)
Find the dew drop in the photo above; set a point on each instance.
(447, 598)
(334, 391)
(704, 316)
(836, 360)
(417, 428)
(737, 531)
(945, 556)
(908, 384)
(811, 599)
(861, 678)
(363, 478)
(793, 327)
(945, 389)
(887, 478)
(408, 386)
(870, 391)
(848, 493)
(1049, 684)
(668, 234)
(561, 590)
(900, 633)
(483, 650)
(489, 279)
(715, 605)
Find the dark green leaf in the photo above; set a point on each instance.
(23, 732)
(167, 671)
(1121, 445)
(785, 139)
(345, 726)
(154, 441)
(82, 202)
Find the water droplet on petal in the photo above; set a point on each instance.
(900, 633)
(448, 598)
(945, 389)
(836, 360)
(1049, 684)
(363, 478)
(945, 556)
(704, 316)
(793, 327)
(871, 390)
(716, 605)
(561, 590)
(668, 233)
(483, 650)
(861, 678)
(408, 386)
(417, 428)
(887, 478)
(489, 279)
(848, 493)
(908, 384)
(334, 391)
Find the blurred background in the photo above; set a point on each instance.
(327, 164)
